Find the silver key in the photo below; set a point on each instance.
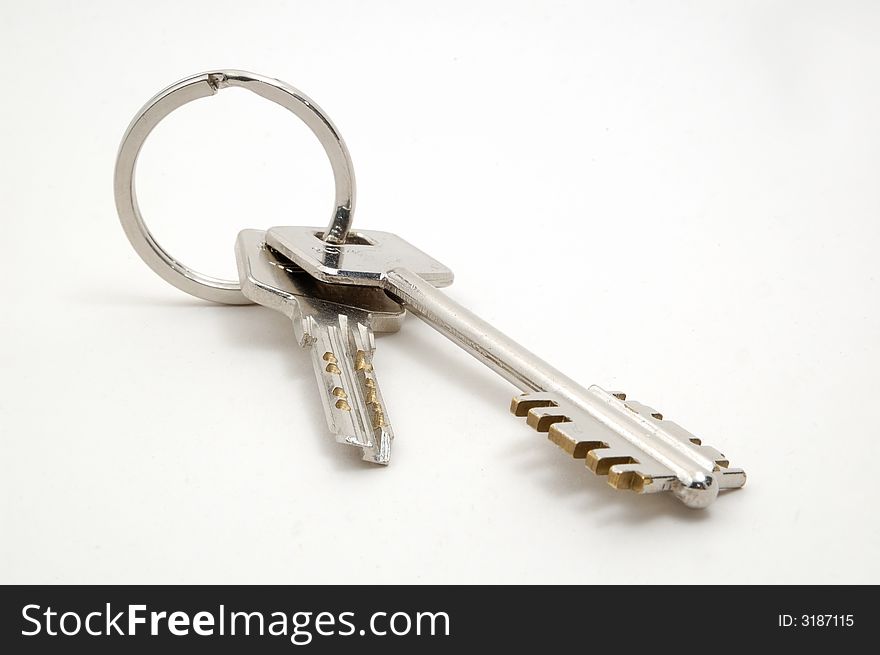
(628, 441)
(336, 325)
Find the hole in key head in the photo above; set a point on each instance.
(353, 239)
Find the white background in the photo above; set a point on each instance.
(679, 200)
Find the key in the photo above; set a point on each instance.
(629, 442)
(336, 325)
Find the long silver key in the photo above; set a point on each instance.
(336, 325)
(628, 441)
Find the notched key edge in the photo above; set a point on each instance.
(627, 463)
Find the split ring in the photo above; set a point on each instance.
(201, 86)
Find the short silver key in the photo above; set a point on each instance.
(336, 325)
(629, 442)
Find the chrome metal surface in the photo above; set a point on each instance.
(200, 86)
(632, 444)
(335, 323)
(399, 268)
(364, 260)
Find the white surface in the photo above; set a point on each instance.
(683, 198)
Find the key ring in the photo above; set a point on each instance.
(201, 86)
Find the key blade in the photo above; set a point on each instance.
(632, 444)
(335, 323)
(376, 416)
(342, 358)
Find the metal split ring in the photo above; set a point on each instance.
(201, 86)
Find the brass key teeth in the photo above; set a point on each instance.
(520, 405)
(576, 448)
(628, 477)
(639, 466)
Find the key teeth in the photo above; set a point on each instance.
(521, 405)
(544, 414)
(542, 420)
(642, 409)
(679, 432)
(577, 448)
(629, 476)
(616, 458)
(600, 460)
(541, 410)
